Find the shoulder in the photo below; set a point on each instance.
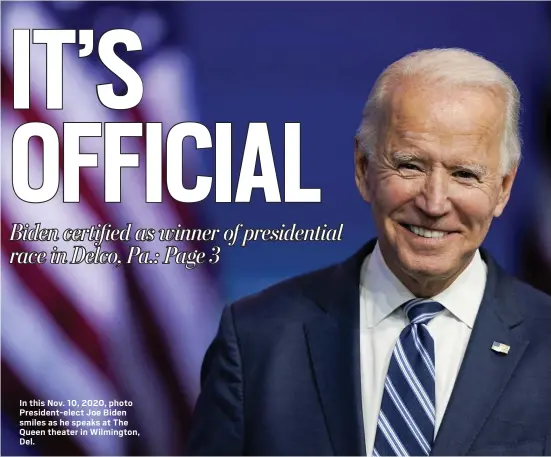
(532, 303)
(528, 309)
(514, 293)
(307, 295)
(291, 300)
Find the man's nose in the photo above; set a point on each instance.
(433, 198)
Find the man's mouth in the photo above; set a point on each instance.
(424, 232)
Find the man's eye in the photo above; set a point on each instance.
(465, 174)
(408, 166)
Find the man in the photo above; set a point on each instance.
(419, 344)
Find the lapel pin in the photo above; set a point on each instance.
(500, 347)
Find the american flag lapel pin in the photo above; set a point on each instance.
(500, 347)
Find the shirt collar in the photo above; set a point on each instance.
(382, 292)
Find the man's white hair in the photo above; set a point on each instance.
(452, 67)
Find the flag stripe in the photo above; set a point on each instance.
(34, 114)
(55, 302)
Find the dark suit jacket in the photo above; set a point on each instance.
(282, 377)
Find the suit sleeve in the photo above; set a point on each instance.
(217, 423)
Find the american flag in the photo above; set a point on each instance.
(500, 347)
(96, 332)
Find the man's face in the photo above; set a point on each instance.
(434, 182)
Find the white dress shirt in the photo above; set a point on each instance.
(382, 320)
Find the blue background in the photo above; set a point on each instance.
(315, 63)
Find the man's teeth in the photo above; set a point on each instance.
(426, 233)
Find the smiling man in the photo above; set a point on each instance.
(419, 344)
(444, 157)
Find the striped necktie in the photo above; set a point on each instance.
(405, 425)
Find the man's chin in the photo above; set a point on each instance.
(427, 266)
(425, 274)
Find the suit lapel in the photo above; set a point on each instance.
(333, 343)
(484, 373)
(334, 348)
(334, 351)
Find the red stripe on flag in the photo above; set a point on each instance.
(59, 306)
(35, 115)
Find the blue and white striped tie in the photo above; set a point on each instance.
(406, 420)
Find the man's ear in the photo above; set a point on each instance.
(361, 164)
(505, 191)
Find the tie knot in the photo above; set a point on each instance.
(421, 310)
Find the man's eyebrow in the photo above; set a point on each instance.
(475, 168)
(405, 156)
